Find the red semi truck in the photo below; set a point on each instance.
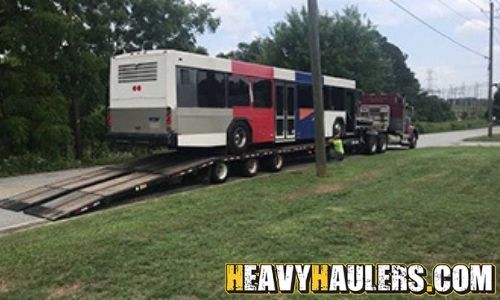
(382, 120)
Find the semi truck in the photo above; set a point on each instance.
(382, 120)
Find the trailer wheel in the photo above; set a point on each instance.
(371, 142)
(249, 167)
(219, 172)
(413, 142)
(382, 143)
(238, 137)
(273, 163)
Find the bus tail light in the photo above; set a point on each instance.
(108, 119)
(168, 117)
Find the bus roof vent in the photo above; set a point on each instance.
(140, 72)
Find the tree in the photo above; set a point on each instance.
(54, 61)
(352, 48)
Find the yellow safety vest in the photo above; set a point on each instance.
(338, 146)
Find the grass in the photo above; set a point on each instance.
(430, 206)
(485, 138)
(435, 127)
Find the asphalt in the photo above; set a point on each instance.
(14, 185)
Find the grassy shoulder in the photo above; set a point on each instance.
(429, 206)
(485, 138)
(435, 127)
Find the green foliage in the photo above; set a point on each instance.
(351, 47)
(54, 57)
(433, 127)
(442, 206)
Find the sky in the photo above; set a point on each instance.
(450, 65)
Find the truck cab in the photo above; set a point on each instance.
(391, 115)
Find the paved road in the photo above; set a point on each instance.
(14, 185)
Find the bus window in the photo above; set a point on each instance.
(211, 89)
(327, 98)
(305, 96)
(262, 93)
(237, 92)
(338, 98)
(186, 88)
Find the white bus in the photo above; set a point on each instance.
(181, 99)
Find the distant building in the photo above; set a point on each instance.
(468, 107)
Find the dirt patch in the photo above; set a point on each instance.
(368, 231)
(4, 288)
(65, 291)
(334, 187)
(349, 182)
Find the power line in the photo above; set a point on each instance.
(482, 10)
(437, 31)
(455, 11)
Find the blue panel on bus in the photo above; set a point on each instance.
(305, 77)
(304, 128)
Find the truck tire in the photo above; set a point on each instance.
(371, 144)
(382, 143)
(238, 137)
(219, 172)
(413, 142)
(273, 163)
(249, 167)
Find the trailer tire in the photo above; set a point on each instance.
(382, 143)
(413, 142)
(219, 172)
(249, 167)
(273, 163)
(238, 137)
(371, 142)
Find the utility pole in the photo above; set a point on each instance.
(319, 127)
(490, 70)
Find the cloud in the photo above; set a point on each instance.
(473, 27)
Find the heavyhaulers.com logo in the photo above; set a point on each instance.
(360, 278)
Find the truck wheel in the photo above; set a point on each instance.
(371, 144)
(238, 137)
(382, 143)
(273, 163)
(219, 172)
(413, 142)
(249, 167)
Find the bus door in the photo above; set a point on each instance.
(285, 111)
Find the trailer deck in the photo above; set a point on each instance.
(86, 192)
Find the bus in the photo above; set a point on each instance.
(180, 99)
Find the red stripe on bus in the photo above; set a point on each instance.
(254, 70)
(260, 119)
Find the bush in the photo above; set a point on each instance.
(433, 127)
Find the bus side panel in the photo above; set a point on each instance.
(203, 127)
(330, 118)
(305, 124)
(260, 119)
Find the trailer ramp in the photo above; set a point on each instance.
(85, 192)
(81, 193)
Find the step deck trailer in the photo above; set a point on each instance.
(88, 191)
